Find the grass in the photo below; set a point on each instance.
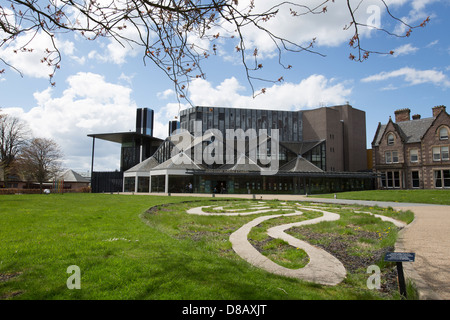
(126, 252)
(411, 196)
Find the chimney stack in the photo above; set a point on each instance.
(437, 110)
(402, 115)
(416, 116)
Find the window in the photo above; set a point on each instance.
(444, 153)
(415, 179)
(442, 178)
(383, 179)
(443, 133)
(414, 155)
(390, 179)
(446, 176)
(440, 153)
(438, 178)
(436, 153)
(395, 156)
(391, 157)
(388, 157)
(396, 179)
(390, 139)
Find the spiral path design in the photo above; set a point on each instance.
(322, 268)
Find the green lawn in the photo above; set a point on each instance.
(124, 252)
(413, 196)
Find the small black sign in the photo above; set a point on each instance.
(400, 256)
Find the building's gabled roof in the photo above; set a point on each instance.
(300, 147)
(179, 161)
(300, 164)
(242, 163)
(442, 113)
(144, 166)
(72, 176)
(415, 129)
(411, 131)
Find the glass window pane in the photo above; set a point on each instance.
(390, 179)
(446, 174)
(388, 157)
(414, 155)
(394, 156)
(436, 153)
(444, 153)
(396, 179)
(415, 179)
(383, 179)
(437, 179)
(443, 134)
(390, 139)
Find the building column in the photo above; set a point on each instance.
(92, 156)
(166, 187)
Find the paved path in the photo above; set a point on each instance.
(428, 236)
(322, 268)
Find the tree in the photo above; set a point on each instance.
(13, 135)
(170, 33)
(41, 160)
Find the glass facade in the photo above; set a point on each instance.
(289, 123)
(317, 156)
(129, 155)
(289, 184)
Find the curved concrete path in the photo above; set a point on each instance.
(322, 268)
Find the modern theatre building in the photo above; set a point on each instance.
(239, 150)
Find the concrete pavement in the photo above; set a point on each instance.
(429, 237)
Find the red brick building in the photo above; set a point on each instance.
(413, 152)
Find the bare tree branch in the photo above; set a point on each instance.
(168, 31)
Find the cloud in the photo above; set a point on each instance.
(432, 43)
(166, 94)
(28, 51)
(412, 76)
(123, 45)
(312, 92)
(416, 15)
(308, 93)
(405, 50)
(330, 28)
(90, 104)
(26, 56)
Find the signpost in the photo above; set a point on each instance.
(399, 258)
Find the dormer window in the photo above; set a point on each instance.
(443, 133)
(390, 139)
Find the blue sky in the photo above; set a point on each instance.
(100, 84)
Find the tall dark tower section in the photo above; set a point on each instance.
(173, 126)
(144, 121)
